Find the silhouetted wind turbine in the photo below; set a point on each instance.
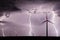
(47, 21)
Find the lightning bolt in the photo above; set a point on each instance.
(30, 27)
(3, 32)
(53, 19)
(30, 32)
(30, 13)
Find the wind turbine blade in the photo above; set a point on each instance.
(43, 22)
(50, 22)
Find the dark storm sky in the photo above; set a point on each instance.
(10, 3)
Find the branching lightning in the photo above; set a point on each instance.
(30, 32)
(53, 19)
(30, 27)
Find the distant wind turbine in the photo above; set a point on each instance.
(47, 21)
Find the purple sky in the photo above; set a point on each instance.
(21, 18)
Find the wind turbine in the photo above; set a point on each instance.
(30, 13)
(47, 21)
